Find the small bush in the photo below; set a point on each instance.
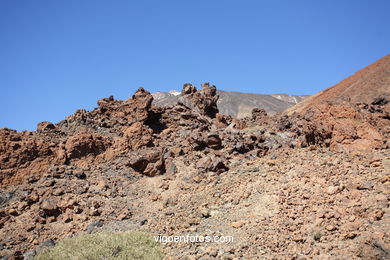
(104, 245)
(5, 252)
(317, 235)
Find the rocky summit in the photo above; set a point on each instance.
(310, 184)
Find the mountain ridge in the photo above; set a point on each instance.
(238, 104)
(367, 84)
(312, 184)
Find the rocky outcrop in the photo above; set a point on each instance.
(236, 104)
(117, 129)
(147, 162)
(123, 158)
(203, 101)
(343, 126)
(18, 150)
(45, 126)
(81, 145)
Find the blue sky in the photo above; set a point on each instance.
(58, 56)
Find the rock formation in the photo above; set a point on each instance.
(312, 183)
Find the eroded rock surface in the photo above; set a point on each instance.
(285, 186)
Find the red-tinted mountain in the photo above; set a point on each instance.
(365, 86)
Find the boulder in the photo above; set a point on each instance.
(147, 162)
(81, 145)
(203, 101)
(45, 126)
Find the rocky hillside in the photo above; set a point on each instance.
(364, 86)
(238, 104)
(313, 185)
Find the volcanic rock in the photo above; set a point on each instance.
(147, 162)
(203, 101)
(45, 126)
(83, 144)
(293, 185)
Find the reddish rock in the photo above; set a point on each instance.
(84, 144)
(203, 101)
(90, 169)
(147, 162)
(50, 208)
(237, 224)
(45, 126)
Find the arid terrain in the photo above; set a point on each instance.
(237, 104)
(363, 87)
(312, 182)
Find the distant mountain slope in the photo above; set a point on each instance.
(364, 86)
(164, 99)
(238, 104)
(294, 99)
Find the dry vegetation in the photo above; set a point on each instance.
(104, 245)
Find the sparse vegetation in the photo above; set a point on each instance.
(254, 129)
(5, 252)
(104, 245)
(316, 235)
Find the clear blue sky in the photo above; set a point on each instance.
(58, 56)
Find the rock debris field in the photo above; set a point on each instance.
(310, 185)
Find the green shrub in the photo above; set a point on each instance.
(104, 245)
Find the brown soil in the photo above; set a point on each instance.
(313, 185)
